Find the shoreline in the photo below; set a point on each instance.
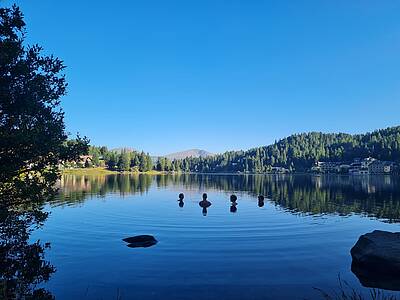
(104, 171)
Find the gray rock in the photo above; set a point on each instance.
(376, 259)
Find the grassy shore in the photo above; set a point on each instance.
(103, 171)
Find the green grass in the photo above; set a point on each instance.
(88, 171)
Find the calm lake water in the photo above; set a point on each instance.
(299, 240)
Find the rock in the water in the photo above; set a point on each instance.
(233, 198)
(140, 241)
(371, 279)
(376, 259)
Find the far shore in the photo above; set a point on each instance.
(104, 171)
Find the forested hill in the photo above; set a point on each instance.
(300, 151)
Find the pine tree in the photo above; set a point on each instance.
(149, 163)
(143, 162)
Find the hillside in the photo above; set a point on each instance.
(299, 152)
(188, 153)
(123, 149)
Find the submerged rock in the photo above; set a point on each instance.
(376, 260)
(140, 241)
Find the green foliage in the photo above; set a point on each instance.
(125, 160)
(32, 130)
(299, 152)
(96, 154)
(164, 164)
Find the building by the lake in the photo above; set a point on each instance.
(359, 166)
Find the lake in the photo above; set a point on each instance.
(299, 240)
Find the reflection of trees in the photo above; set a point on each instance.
(22, 263)
(377, 196)
(23, 267)
(76, 188)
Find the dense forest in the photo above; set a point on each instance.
(121, 160)
(126, 159)
(296, 153)
(300, 151)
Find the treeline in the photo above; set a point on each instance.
(296, 153)
(124, 160)
(300, 152)
(130, 160)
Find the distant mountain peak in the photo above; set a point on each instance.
(123, 149)
(188, 153)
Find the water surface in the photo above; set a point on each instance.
(300, 239)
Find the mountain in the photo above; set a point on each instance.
(299, 152)
(123, 149)
(189, 153)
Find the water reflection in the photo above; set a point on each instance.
(75, 189)
(23, 266)
(204, 204)
(376, 280)
(375, 196)
(261, 201)
(181, 197)
(233, 207)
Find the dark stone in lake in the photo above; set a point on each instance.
(370, 279)
(376, 260)
(142, 241)
(233, 198)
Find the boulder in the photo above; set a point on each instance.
(376, 260)
(140, 241)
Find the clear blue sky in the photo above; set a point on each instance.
(164, 76)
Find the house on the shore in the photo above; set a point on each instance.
(279, 170)
(381, 167)
(328, 166)
(85, 160)
(359, 166)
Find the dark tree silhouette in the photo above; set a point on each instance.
(33, 142)
(33, 139)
